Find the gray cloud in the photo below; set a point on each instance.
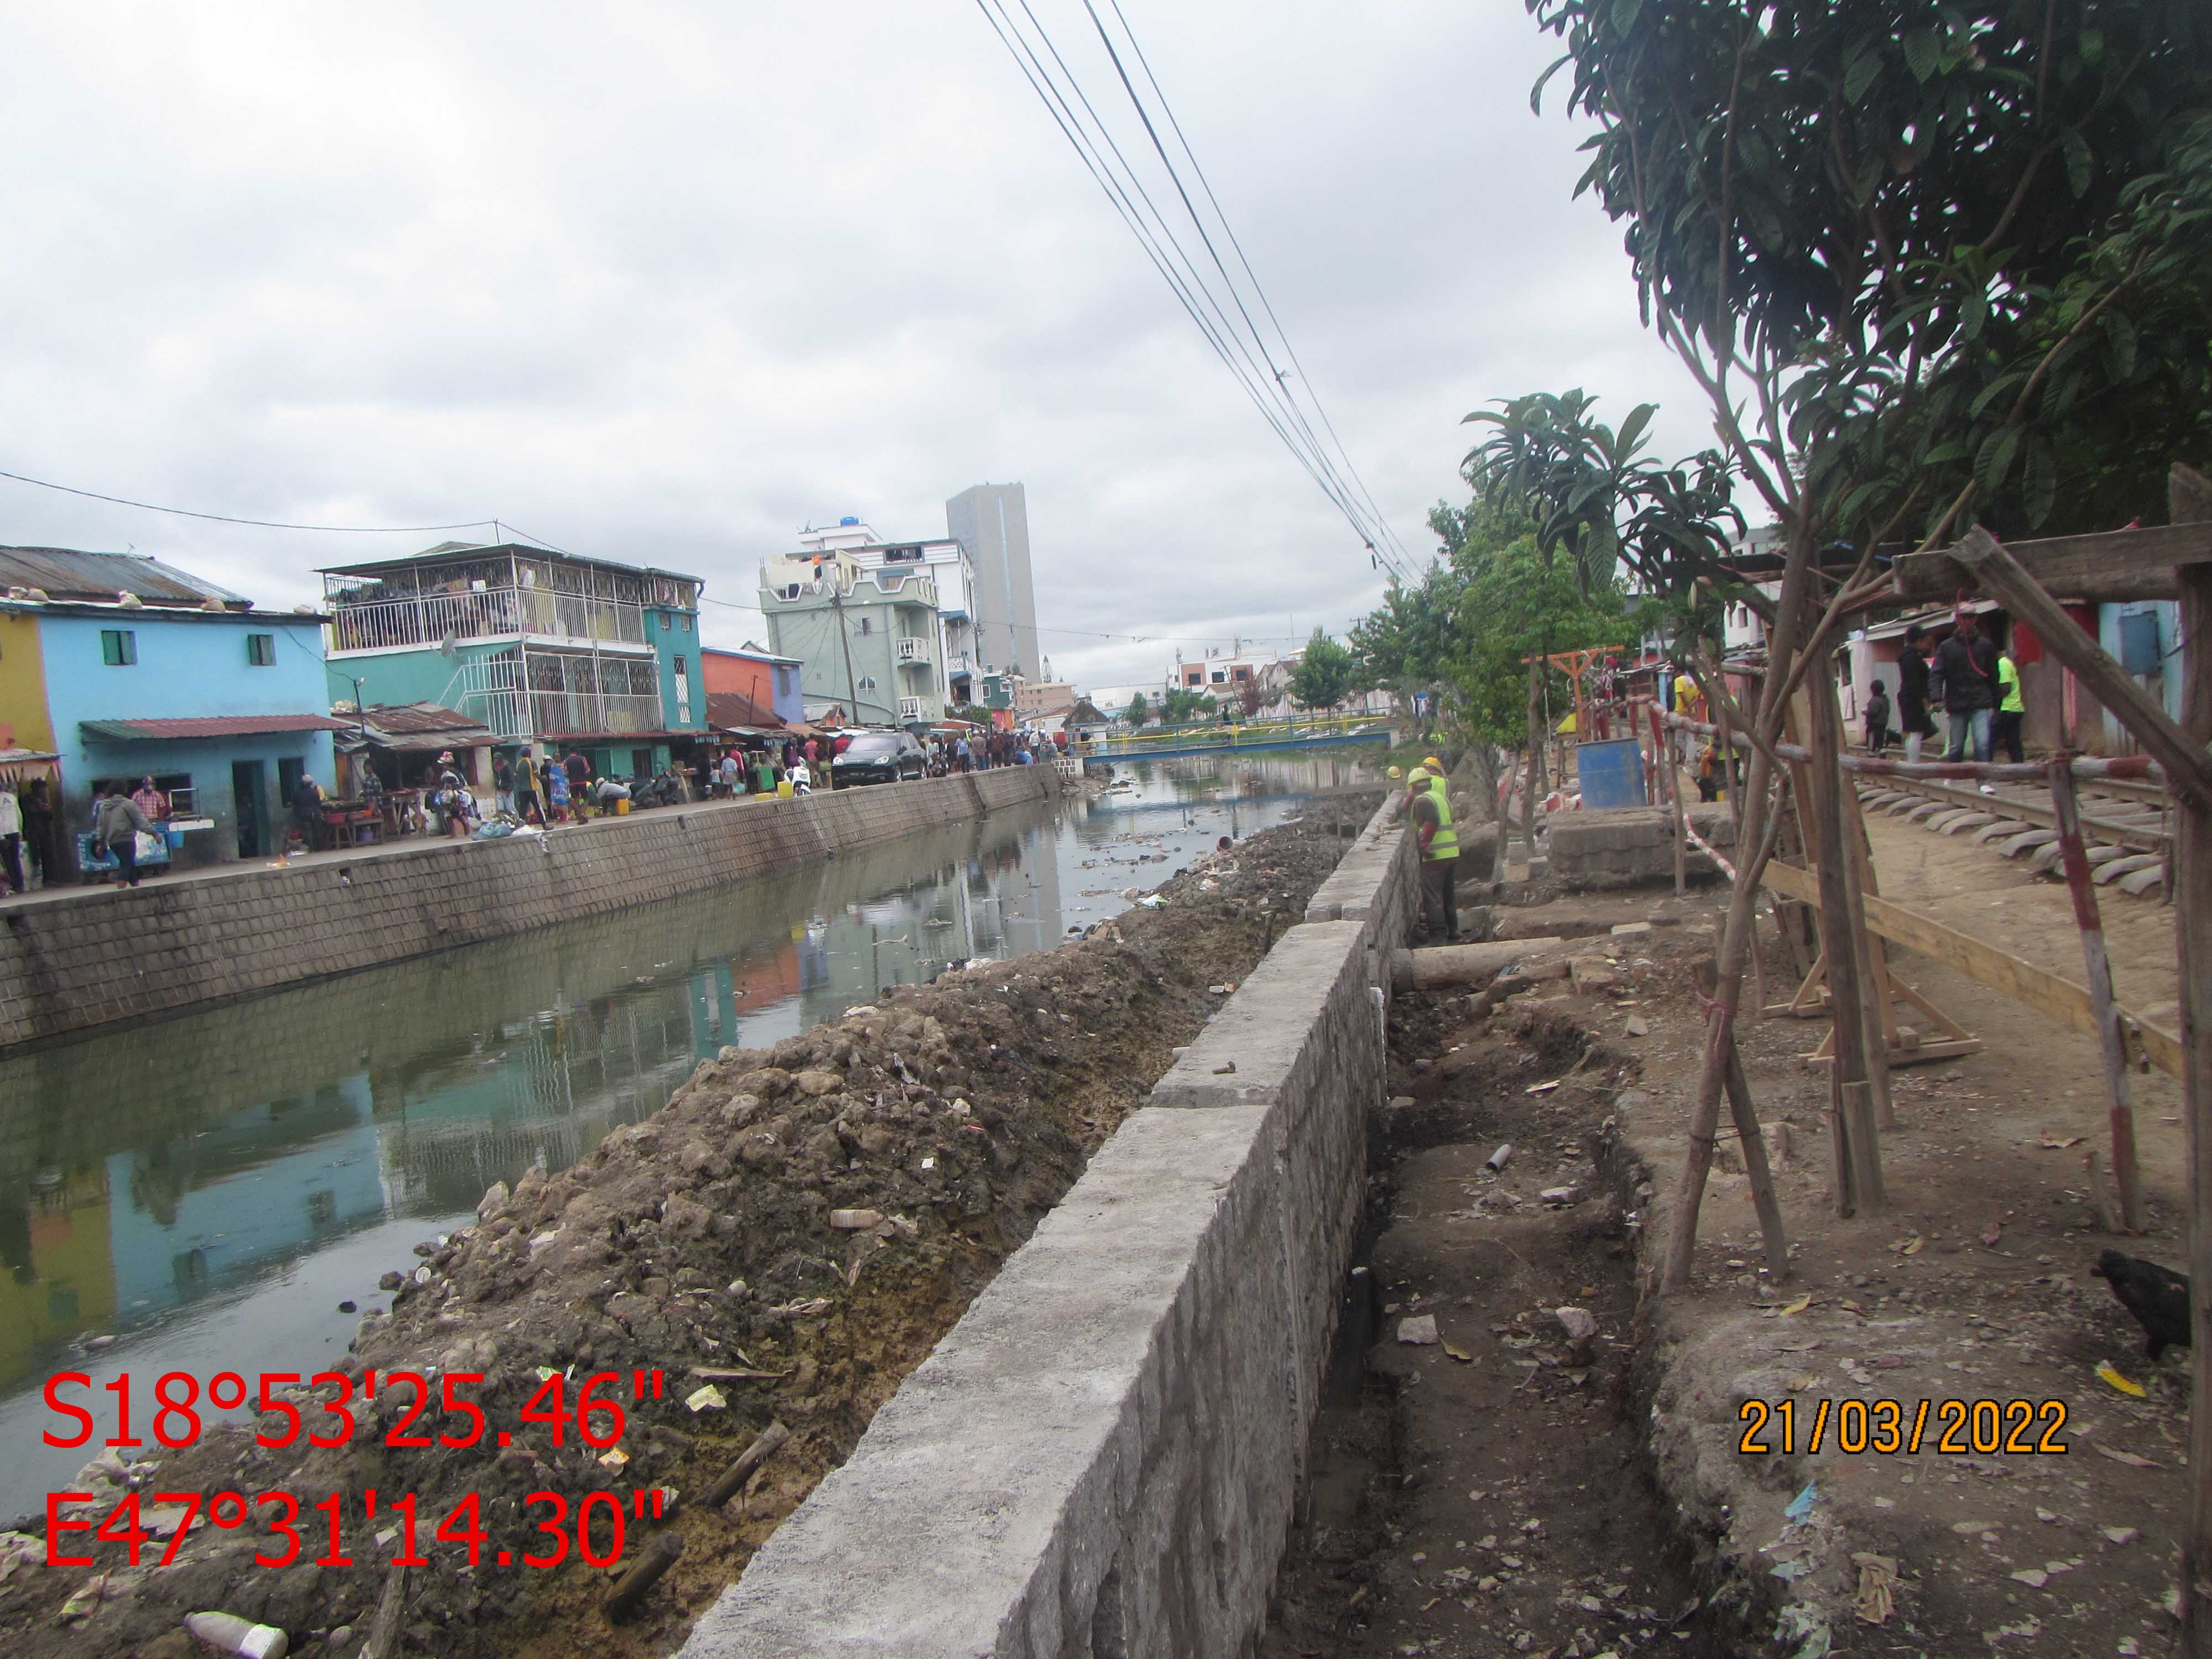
(663, 281)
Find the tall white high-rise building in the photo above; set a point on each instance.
(991, 522)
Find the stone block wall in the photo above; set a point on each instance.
(114, 954)
(1630, 846)
(1101, 1459)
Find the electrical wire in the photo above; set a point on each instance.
(1191, 287)
(1190, 290)
(261, 524)
(1253, 276)
(1276, 375)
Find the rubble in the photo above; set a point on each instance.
(774, 1249)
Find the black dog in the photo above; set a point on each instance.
(2158, 1298)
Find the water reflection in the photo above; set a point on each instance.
(205, 1189)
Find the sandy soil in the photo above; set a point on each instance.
(1974, 1286)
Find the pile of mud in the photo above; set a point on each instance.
(781, 1244)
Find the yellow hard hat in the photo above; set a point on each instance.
(1417, 778)
(1396, 773)
(1434, 765)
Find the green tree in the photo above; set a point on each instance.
(1324, 675)
(1407, 645)
(1181, 704)
(1517, 604)
(1139, 710)
(1877, 233)
(1922, 254)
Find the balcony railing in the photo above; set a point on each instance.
(490, 691)
(482, 613)
(911, 649)
(959, 663)
(591, 711)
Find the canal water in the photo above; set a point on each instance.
(201, 1193)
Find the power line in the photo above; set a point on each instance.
(1266, 385)
(1276, 375)
(260, 524)
(1253, 276)
(1190, 290)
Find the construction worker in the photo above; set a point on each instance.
(1432, 823)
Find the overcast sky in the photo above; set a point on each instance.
(663, 284)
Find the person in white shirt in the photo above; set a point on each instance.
(11, 838)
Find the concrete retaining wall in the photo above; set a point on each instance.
(112, 954)
(1101, 1459)
(1630, 846)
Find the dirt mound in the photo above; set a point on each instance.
(794, 1231)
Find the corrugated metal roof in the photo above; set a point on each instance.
(732, 709)
(211, 726)
(66, 573)
(446, 552)
(415, 717)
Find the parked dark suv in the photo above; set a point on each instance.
(878, 757)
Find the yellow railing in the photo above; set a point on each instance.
(1239, 734)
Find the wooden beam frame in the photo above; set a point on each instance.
(2111, 568)
(2039, 988)
(1996, 572)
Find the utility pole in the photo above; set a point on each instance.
(852, 686)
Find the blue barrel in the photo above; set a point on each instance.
(1611, 774)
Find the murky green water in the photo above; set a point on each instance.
(200, 1194)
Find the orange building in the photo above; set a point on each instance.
(767, 682)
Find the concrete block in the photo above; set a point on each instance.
(74, 964)
(1102, 1457)
(1592, 975)
(2151, 878)
(2112, 869)
(2027, 842)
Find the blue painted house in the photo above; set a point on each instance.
(544, 648)
(126, 667)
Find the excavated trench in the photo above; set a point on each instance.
(1488, 1489)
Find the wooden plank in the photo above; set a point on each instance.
(2046, 991)
(2111, 1035)
(2111, 568)
(2189, 498)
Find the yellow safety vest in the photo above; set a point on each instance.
(1444, 844)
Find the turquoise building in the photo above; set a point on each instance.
(124, 667)
(544, 649)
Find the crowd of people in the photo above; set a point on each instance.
(1976, 685)
(528, 787)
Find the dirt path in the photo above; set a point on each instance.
(1974, 1287)
(1979, 890)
